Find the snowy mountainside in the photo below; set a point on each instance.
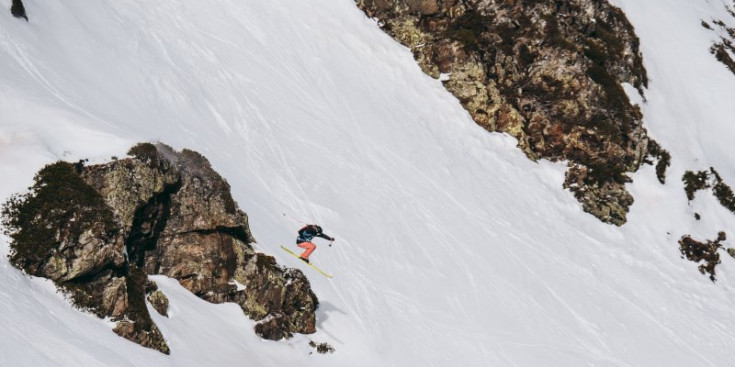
(453, 249)
(691, 103)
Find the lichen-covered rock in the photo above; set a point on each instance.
(202, 228)
(62, 229)
(598, 197)
(150, 339)
(723, 49)
(695, 181)
(274, 327)
(423, 6)
(104, 294)
(661, 157)
(271, 289)
(115, 298)
(128, 184)
(703, 252)
(548, 73)
(92, 253)
(159, 301)
(201, 238)
(203, 200)
(98, 230)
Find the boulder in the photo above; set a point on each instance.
(159, 301)
(99, 230)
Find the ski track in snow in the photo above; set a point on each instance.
(453, 249)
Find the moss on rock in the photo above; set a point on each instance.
(701, 180)
(705, 252)
(99, 230)
(548, 73)
(51, 218)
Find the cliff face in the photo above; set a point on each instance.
(97, 231)
(546, 72)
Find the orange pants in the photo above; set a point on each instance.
(309, 248)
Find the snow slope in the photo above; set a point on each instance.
(452, 248)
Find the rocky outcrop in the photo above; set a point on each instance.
(660, 157)
(67, 230)
(97, 231)
(321, 348)
(279, 298)
(723, 49)
(18, 10)
(706, 253)
(702, 180)
(157, 299)
(546, 72)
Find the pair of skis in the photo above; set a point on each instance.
(310, 264)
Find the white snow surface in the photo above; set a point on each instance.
(453, 249)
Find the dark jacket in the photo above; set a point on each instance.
(308, 233)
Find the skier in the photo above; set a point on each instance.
(308, 233)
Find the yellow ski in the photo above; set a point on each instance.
(315, 268)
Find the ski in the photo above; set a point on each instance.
(315, 268)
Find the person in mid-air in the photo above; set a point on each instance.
(307, 234)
